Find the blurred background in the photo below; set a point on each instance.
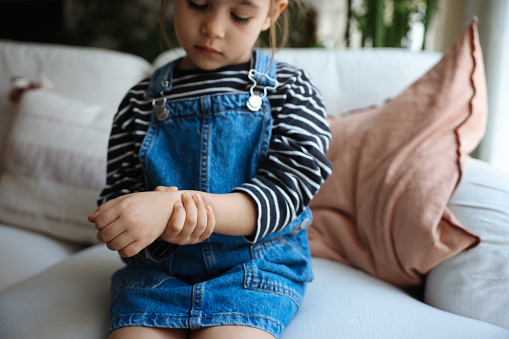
(132, 26)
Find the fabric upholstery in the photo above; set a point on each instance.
(384, 208)
(32, 253)
(475, 283)
(93, 75)
(55, 165)
(342, 302)
(67, 300)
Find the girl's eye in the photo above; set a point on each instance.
(202, 7)
(195, 6)
(239, 20)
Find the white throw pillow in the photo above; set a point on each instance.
(475, 283)
(55, 165)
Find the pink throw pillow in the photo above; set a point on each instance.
(384, 208)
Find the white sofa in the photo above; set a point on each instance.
(55, 288)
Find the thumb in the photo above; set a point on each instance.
(92, 217)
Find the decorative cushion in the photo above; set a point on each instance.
(475, 283)
(55, 165)
(384, 208)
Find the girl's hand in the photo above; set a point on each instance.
(191, 222)
(131, 222)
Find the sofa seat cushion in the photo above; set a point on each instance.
(71, 300)
(68, 300)
(25, 253)
(343, 302)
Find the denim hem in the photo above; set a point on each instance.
(180, 322)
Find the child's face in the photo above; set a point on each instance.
(217, 33)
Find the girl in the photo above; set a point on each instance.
(244, 139)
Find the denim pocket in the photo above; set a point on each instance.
(281, 265)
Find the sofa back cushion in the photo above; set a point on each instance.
(54, 177)
(351, 79)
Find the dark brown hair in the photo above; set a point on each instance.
(278, 31)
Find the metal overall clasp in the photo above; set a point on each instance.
(254, 102)
(162, 113)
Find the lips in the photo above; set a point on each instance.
(208, 51)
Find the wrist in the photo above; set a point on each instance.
(236, 213)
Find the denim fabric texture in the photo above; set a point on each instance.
(212, 144)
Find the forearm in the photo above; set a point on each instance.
(235, 213)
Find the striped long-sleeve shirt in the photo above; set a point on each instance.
(296, 164)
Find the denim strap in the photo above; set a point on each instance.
(264, 65)
(161, 80)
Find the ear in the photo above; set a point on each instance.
(279, 7)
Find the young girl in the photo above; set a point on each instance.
(244, 138)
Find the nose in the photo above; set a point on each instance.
(214, 26)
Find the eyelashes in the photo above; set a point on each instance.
(239, 20)
(203, 7)
(195, 6)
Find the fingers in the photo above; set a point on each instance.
(211, 224)
(191, 222)
(130, 223)
(205, 221)
(120, 242)
(176, 222)
(131, 250)
(125, 245)
(183, 221)
(191, 207)
(107, 234)
(92, 217)
(166, 189)
(104, 207)
(104, 216)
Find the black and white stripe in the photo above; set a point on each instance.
(296, 165)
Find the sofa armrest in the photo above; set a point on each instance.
(475, 283)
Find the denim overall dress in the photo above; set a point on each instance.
(212, 143)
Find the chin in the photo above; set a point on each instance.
(206, 65)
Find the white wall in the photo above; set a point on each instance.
(452, 18)
(494, 36)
